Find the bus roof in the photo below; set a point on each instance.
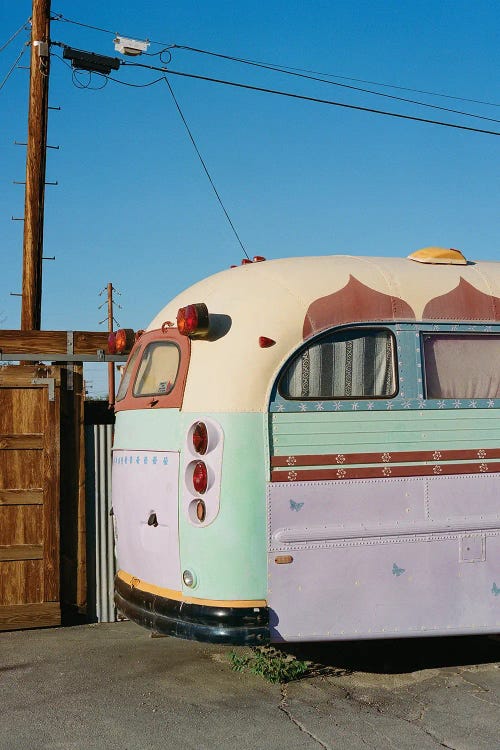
(290, 299)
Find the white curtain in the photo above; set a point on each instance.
(343, 365)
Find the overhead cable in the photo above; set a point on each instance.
(286, 71)
(21, 28)
(205, 166)
(165, 45)
(11, 69)
(317, 100)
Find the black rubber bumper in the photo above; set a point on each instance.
(247, 626)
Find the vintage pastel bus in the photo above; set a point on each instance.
(309, 449)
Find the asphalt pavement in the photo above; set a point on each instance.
(93, 687)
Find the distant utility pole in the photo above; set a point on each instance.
(111, 321)
(35, 166)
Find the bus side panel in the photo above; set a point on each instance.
(384, 557)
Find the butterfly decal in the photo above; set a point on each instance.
(295, 506)
(397, 571)
(495, 590)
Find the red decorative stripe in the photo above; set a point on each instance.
(385, 457)
(378, 472)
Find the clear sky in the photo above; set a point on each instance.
(133, 205)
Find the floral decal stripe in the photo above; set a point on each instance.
(374, 472)
(394, 457)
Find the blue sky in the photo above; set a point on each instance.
(133, 205)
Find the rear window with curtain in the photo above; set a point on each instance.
(462, 365)
(348, 364)
(158, 369)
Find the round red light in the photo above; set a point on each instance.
(124, 340)
(112, 343)
(187, 320)
(200, 478)
(245, 261)
(258, 258)
(193, 320)
(200, 438)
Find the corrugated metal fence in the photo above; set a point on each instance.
(101, 564)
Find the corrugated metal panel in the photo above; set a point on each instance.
(100, 539)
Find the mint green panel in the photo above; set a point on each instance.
(366, 432)
(147, 429)
(228, 556)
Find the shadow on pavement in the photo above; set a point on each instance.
(398, 656)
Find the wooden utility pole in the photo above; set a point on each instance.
(111, 365)
(35, 166)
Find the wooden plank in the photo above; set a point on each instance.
(30, 496)
(21, 581)
(22, 376)
(21, 524)
(20, 469)
(81, 549)
(21, 552)
(51, 506)
(52, 342)
(73, 541)
(20, 616)
(12, 442)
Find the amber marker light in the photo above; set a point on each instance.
(283, 560)
(201, 511)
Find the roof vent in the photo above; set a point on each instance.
(439, 255)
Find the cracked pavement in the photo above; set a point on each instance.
(92, 687)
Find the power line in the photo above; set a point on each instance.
(60, 17)
(205, 166)
(285, 68)
(317, 100)
(286, 71)
(21, 28)
(23, 50)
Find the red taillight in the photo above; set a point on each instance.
(200, 438)
(193, 320)
(112, 343)
(124, 340)
(200, 478)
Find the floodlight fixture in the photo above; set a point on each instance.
(132, 47)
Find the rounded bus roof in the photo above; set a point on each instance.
(290, 299)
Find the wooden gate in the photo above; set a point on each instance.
(29, 496)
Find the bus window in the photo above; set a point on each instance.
(129, 368)
(158, 369)
(462, 365)
(345, 364)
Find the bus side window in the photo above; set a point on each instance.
(462, 365)
(348, 364)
